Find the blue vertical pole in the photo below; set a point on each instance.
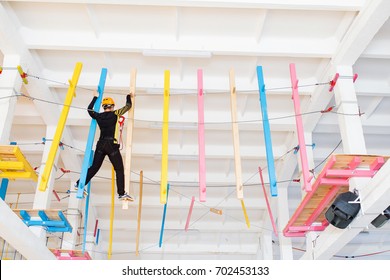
(3, 188)
(267, 132)
(163, 219)
(86, 208)
(91, 136)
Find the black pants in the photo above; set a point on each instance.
(108, 148)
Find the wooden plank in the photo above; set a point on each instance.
(129, 139)
(45, 175)
(164, 144)
(236, 137)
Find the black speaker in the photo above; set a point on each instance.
(382, 218)
(341, 213)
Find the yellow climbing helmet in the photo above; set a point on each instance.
(108, 101)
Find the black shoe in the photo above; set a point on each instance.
(126, 196)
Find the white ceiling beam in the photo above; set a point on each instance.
(362, 31)
(50, 114)
(20, 237)
(330, 5)
(360, 34)
(42, 40)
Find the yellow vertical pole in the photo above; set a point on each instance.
(112, 212)
(129, 139)
(236, 138)
(139, 212)
(60, 127)
(164, 156)
(248, 224)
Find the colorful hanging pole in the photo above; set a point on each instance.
(60, 127)
(189, 213)
(163, 219)
(268, 205)
(301, 135)
(129, 139)
(22, 74)
(141, 180)
(236, 137)
(201, 143)
(248, 223)
(3, 188)
(86, 211)
(111, 212)
(164, 156)
(91, 136)
(267, 133)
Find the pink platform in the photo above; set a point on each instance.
(333, 180)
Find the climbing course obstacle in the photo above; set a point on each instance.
(306, 178)
(267, 133)
(13, 164)
(52, 220)
(164, 154)
(236, 136)
(201, 142)
(91, 136)
(60, 128)
(141, 180)
(70, 255)
(332, 181)
(129, 139)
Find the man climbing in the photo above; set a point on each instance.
(107, 144)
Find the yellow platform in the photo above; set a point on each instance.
(13, 164)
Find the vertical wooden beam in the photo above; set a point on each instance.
(129, 139)
(60, 127)
(164, 156)
(236, 137)
(91, 136)
(141, 180)
(111, 212)
(267, 133)
(201, 143)
(301, 135)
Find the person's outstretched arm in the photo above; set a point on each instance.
(125, 108)
(91, 112)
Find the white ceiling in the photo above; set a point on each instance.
(182, 37)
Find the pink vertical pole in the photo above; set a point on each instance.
(202, 160)
(301, 136)
(190, 213)
(268, 205)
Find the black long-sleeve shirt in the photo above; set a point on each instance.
(108, 121)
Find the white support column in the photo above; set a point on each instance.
(350, 124)
(90, 246)
(74, 218)
(266, 245)
(285, 245)
(9, 82)
(42, 200)
(285, 170)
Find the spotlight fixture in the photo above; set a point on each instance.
(343, 210)
(382, 218)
